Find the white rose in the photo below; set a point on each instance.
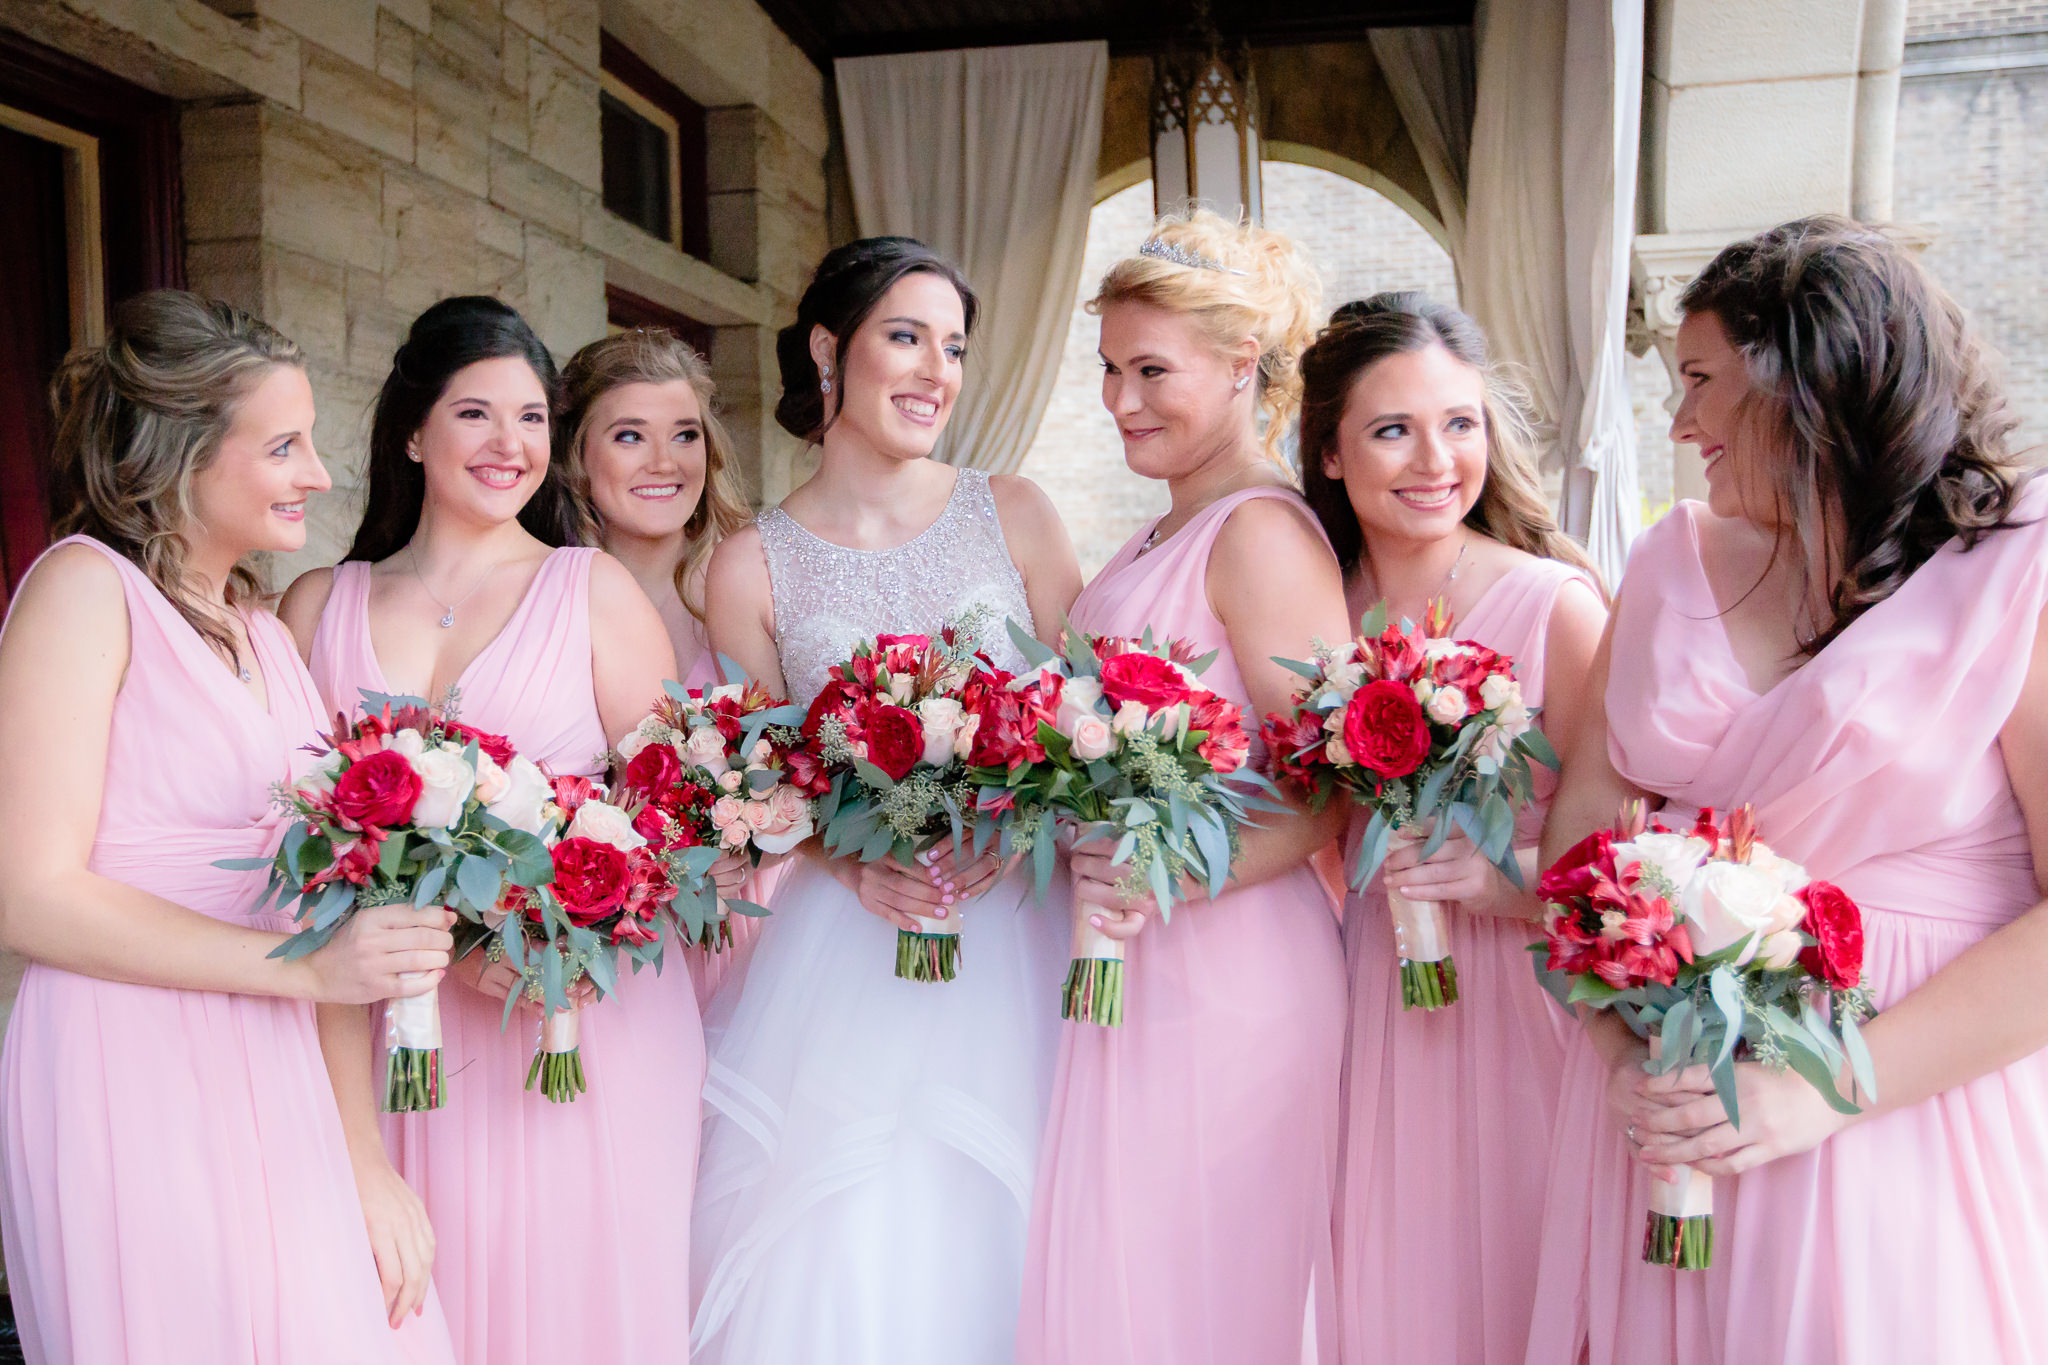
(726, 692)
(963, 735)
(1334, 748)
(1077, 700)
(1174, 720)
(729, 781)
(1345, 678)
(1092, 739)
(1677, 856)
(631, 745)
(319, 779)
(1187, 675)
(940, 717)
(1730, 903)
(526, 796)
(1780, 950)
(1041, 676)
(758, 756)
(445, 784)
(1498, 690)
(606, 824)
(1130, 718)
(1446, 705)
(705, 748)
(1514, 717)
(1790, 876)
(1423, 688)
(411, 743)
(902, 687)
(491, 782)
(1445, 649)
(1495, 744)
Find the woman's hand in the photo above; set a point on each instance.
(1098, 892)
(939, 883)
(401, 1236)
(1456, 873)
(376, 954)
(729, 874)
(496, 980)
(1682, 1122)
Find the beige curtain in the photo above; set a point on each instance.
(1541, 214)
(987, 155)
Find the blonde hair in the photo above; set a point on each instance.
(1265, 289)
(649, 355)
(139, 417)
(1511, 508)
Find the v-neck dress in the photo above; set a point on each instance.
(1919, 1235)
(177, 1189)
(1447, 1113)
(562, 1229)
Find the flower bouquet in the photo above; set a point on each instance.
(407, 806)
(711, 767)
(606, 898)
(1132, 748)
(1417, 727)
(1711, 947)
(891, 734)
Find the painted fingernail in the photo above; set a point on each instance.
(945, 900)
(1095, 920)
(939, 913)
(951, 887)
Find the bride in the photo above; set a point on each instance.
(870, 1143)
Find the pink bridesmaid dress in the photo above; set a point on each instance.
(1446, 1113)
(177, 1189)
(1917, 1236)
(1182, 1213)
(563, 1229)
(710, 972)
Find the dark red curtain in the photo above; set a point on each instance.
(35, 329)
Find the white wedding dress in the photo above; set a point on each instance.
(870, 1144)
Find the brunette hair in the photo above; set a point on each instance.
(449, 337)
(648, 355)
(1511, 507)
(138, 417)
(1253, 282)
(843, 291)
(1878, 405)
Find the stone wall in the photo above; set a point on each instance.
(348, 162)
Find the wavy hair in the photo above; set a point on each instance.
(648, 355)
(1266, 289)
(139, 417)
(1511, 507)
(1877, 405)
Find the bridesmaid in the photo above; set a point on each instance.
(1417, 462)
(553, 1219)
(1848, 635)
(1182, 1212)
(179, 1184)
(649, 477)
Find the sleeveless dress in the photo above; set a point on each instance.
(1447, 1113)
(1183, 1211)
(1917, 1236)
(562, 1229)
(177, 1189)
(869, 1143)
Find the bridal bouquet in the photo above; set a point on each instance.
(892, 735)
(1712, 947)
(1133, 749)
(606, 898)
(407, 806)
(713, 769)
(1417, 727)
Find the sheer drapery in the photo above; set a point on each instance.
(986, 155)
(1540, 212)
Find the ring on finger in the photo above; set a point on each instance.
(1632, 1137)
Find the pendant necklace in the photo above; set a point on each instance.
(447, 612)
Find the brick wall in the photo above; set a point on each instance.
(1971, 159)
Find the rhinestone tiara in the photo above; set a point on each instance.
(1162, 250)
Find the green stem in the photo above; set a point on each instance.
(1682, 1243)
(1094, 993)
(1428, 985)
(927, 957)
(412, 1080)
(560, 1075)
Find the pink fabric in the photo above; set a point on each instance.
(1447, 1113)
(1921, 1235)
(563, 1229)
(1182, 1212)
(177, 1188)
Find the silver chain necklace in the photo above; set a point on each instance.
(447, 612)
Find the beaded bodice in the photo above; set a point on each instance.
(956, 571)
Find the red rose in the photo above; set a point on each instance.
(1384, 729)
(1583, 865)
(1833, 919)
(894, 738)
(591, 879)
(1143, 678)
(497, 746)
(836, 698)
(654, 770)
(379, 790)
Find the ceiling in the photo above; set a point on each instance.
(825, 29)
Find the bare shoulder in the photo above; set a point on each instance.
(616, 597)
(71, 613)
(75, 575)
(302, 604)
(1259, 528)
(1020, 498)
(738, 563)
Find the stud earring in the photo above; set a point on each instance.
(1242, 380)
(412, 454)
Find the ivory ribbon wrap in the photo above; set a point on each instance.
(561, 1031)
(949, 925)
(1421, 930)
(413, 1021)
(1092, 942)
(1692, 1195)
